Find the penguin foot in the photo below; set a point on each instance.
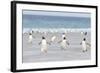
(84, 50)
(45, 51)
(63, 49)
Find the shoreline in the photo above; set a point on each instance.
(52, 30)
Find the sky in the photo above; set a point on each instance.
(56, 13)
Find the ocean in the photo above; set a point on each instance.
(47, 22)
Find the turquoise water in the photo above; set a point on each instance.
(46, 21)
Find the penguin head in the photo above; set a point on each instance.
(64, 38)
(43, 37)
(84, 39)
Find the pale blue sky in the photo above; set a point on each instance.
(53, 13)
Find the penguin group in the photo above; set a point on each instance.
(64, 43)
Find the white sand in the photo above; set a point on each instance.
(32, 52)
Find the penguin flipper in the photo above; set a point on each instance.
(39, 43)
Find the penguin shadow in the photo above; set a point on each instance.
(30, 45)
(43, 54)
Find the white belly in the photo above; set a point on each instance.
(30, 38)
(83, 45)
(43, 45)
(63, 44)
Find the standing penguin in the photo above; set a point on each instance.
(84, 45)
(64, 43)
(30, 38)
(44, 44)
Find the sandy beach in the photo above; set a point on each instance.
(32, 53)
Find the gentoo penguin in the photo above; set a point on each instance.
(30, 38)
(53, 38)
(44, 45)
(84, 45)
(64, 43)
